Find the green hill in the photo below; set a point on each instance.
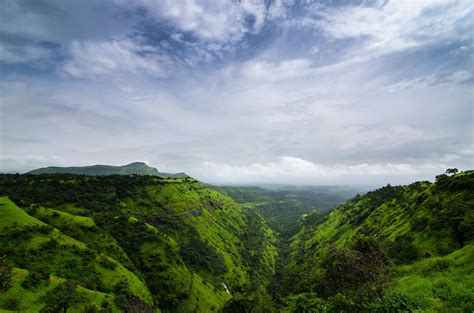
(282, 206)
(136, 168)
(140, 243)
(413, 244)
(127, 243)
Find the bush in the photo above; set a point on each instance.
(62, 297)
(12, 304)
(6, 270)
(355, 275)
(306, 302)
(105, 262)
(33, 280)
(394, 301)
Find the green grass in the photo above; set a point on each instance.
(12, 215)
(61, 217)
(28, 298)
(439, 284)
(111, 277)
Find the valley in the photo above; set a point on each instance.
(141, 243)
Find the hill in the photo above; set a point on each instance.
(398, 248)
(132, 243)
(282, 206)
(126, 243)
(136, 168)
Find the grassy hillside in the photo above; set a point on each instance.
(412, 244)
(127, 243)
(137, 243)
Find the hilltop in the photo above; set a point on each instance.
(135, 168)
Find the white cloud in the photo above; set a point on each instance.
(291, 169)
(397, 25)
(274, 71)
(222, 20)
(457, 77)
(90, 59)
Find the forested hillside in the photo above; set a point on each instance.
(126, 243)
(398, 248)
(283, 206)
(76, 243)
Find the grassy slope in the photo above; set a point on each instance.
(438, 275)
(14, 219)
(439, 283)
(162, 222)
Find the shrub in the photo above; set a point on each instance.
(12, 304)
(105, 262)
(6, 271)
(354, 276)
(33, 280)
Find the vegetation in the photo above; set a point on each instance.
(282, 207)
(402, 248)
(115, 243)
(126, 243)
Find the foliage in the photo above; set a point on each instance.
(145, 243)
(282, 207)
(5, 274)
(172, 242)
(307, 303)
(355, 275)
(62, 297)
(250, 302)
(422, 223)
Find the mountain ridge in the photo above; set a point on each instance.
(134, 168)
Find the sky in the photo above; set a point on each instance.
(240, 91)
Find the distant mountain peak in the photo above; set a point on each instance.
(134, 168)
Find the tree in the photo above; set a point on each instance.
(355, 275)
(459, 217)
(61, 298)
(250, 302)
(452, 171)
(5, 274)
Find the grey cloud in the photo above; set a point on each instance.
(261, 113)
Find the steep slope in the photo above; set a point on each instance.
(282, 206)
(130, 242)
(136, 168)
(418, 239)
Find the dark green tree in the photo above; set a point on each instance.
(452, 171)
(355, 275)
(459, 217)
(6, 270)
(61, 298)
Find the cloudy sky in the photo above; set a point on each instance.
(240, 91)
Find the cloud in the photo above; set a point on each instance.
(220, 21)
(33, 55)
(92, 59)
(274, 71)
(456, 77)
(227, 88)
(294, 169)
(395, 26)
